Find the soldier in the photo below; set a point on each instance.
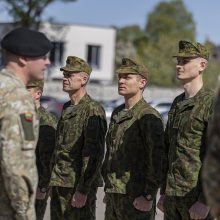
(25, 54)
(45, 147)
(182, 196)
(132, 165)
(79, 147)
(211, 168)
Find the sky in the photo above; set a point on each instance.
(121, 13)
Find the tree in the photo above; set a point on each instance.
(125, 46)
(212, 74)
(172, 19)
(28, 13)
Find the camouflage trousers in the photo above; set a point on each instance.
(61, 208)
(120, 207)
(40, 207)
(177, 208)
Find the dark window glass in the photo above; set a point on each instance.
(56, 54)
(93, 56)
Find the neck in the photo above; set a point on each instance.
(191, 88)
(18, 71)
(37, 104)
(130, 101)
(76, 96)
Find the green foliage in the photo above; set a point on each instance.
(161, 65)
(27, 13)
(212, 73)
(170, 18)
(167, 24)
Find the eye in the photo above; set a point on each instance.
(182, 61)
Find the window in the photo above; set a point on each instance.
(56, 54)
(93, 56)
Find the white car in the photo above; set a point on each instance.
(161, 105)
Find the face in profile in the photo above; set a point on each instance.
(73, 81)
(130, 84)
(35, 92)
(37, 66)
(188, 68)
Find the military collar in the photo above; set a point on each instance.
(83, 100)
(127, 114)
(191, 101)
(40, 109)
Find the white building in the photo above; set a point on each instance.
(94, 44)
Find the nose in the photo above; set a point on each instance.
(47, 61)
(120, 80)
(178, 67)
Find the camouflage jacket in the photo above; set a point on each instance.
(185, 144)
(45, 146)
(211, 168)
(18, 138)
(79, 145)
(134, 142)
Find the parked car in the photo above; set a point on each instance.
(109, 106)
(161, 105)
(53, 105)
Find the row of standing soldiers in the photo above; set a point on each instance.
(139, 158)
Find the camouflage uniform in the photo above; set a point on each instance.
(132, 164)
(79, 152)
(18, 133)
(44, 152)
(212, 164)
(185, 145)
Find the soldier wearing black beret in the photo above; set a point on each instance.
(25, 55)
(26, 42)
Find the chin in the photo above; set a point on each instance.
(122, 93)
(65, 90)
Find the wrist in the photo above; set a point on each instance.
(43, 189)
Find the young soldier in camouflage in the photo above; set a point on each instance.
(182, 196)
(79, 148)
(132, 165)
(211, 168)
(25, 60)
(45, 147)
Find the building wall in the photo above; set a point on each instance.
(76, 39)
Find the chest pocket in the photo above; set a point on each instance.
(197, 124)
(69, 128)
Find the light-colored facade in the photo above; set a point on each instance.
(94, 44)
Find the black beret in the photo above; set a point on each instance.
(25, 42)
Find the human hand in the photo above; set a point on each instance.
(140, 203)
(199, 211)
(78, 200)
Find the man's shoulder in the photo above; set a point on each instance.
(14, 96)
(147, 109)
(94, 106)
(47, 118)
(207, 95)
(8, 83)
